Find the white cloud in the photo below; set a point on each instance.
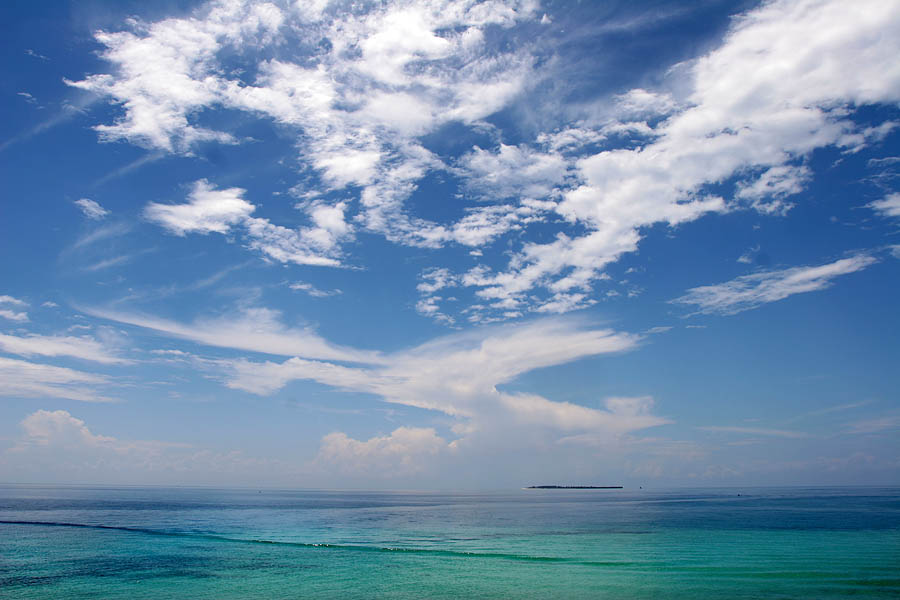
(459, 375)
(392, 73)
(13, 301)
(404, 451)
(431, 281)
(107, 263)
(13, 315)
(783, 82)
(435, 279)
(85, 348)
(34, 54)
(57, 446)
(289, 245)
(638, 102)
(91, 208)
(747, 257)
(563, 302)
(209, 210)
(768, 191)
(162, 72)
(313, 290)
(889, 206)
(659, 329)
(221, 211)
(779, 86)
(751, 291)
(44, 427)
(253, 329)
(102, 233)
(513, 172)
(620, 416)
(22, 379)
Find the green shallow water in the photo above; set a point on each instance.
(152, 543)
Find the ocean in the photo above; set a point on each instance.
(154, 542)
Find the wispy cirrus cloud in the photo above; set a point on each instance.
(23, 379)
(314, 291)
(876, 425)
(764, 431)
(85, 348)
(752, 291)
(459, 375)
(254, 329)
(101, 233)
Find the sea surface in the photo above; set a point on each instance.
(153, 542)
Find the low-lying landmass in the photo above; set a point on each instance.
(574, 487)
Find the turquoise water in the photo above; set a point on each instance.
(95, 542)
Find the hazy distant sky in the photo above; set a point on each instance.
(449, 243)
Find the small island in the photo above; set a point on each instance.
(574, 487)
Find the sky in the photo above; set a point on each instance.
(447, 244)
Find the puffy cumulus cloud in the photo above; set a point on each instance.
(85, 347)
(889, 206)
(389, 74)
(513, 172)
(751, 291)
(220, 211)
(209, 210)
(23, 379)
(164, 72)
(785, 80)
(58, 446)
(45, 427)
(638, 102)
(91, 208)
(405, 451)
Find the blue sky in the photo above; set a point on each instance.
(450, 243)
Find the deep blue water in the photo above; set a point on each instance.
(138, 542)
